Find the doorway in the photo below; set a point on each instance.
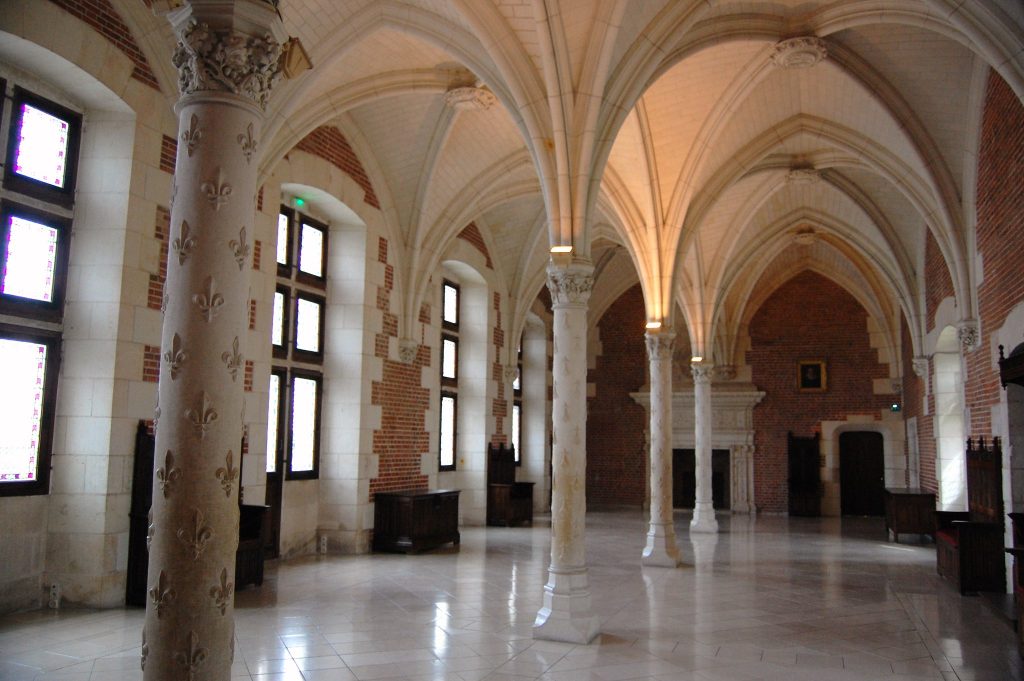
(804, 476)
(684, 479)
(861, 473)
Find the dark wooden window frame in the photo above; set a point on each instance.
(62, 196)
(285, 269)
(52, 340)
(26, 307)
(299, 354)
(314, 473)
(283, 396)
(450, 381)
(281, 351)
(455, 431)
(452, 326)
(301, 276)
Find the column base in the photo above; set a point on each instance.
(566, 615)
(661, 549)
(703, 518)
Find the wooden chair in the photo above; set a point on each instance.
(969, 545)
(508, 502)
(252, 525)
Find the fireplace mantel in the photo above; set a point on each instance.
(732, 428)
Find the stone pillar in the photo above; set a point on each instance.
(566, 613)
(661, 549)
(227, 61)
(703, 510)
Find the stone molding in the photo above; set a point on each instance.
(799, 53)
(407, 350)
(969, 335)
(469, 98)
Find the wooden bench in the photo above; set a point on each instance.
(969, 545)
(508, 502)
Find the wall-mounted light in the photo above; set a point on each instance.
(561, 249)
(653, 325)
(895, 406)
(696, 358)
(298, 202)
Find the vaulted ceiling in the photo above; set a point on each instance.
(723, 145)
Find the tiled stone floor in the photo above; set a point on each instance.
(769, 598)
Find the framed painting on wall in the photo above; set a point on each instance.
(812, 376)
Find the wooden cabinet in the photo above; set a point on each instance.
(415, 520)
(909, 510)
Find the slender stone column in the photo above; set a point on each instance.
(566, 614)
(661, 549)
(227, 62)
(703, 508)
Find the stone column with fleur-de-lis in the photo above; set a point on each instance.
(661, 549)
(703, 506)
(228, 59)
(566, 613)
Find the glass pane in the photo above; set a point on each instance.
(277, 333)
(447, 430)
(303, 433)
(30, 258)
(451, 304)
(516, 428)
(42, 146)
(273, 409)
(21, 407)
(516, 384)
(282, 239)
(311, 253)
(307, 327)
(448, 358)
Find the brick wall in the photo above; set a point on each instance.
(499, 406)
(809, 317)
(161, 229)
(401, 438)
(1000, 238)
(937, 283)
(616, 446)
(102, 16)
(913, 394)
(328, 143)
(472, 234)
(168, 154)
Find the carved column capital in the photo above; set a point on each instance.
(702, 373)
(571, 285)
(660, 345)
(229, 59)
(724, 372)
(969, 335)
(799, 53)
(920, 366)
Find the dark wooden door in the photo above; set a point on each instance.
(804, 476)
(684, 478)
(861, 473)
